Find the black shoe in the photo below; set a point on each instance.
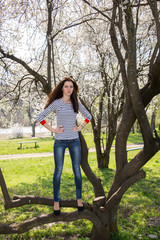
(80, 208)
(57, 212)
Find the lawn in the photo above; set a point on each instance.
(32, 176)
(11, 146)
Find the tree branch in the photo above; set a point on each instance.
(37, 76)
(4, 190)
(120, 150)
(95, 181)
(116, 196)
(132, 77)
(48, 218)
(70, 26)
(141, 159)
(153, 6)
(19, 201)
(116, 47)
(99, 11)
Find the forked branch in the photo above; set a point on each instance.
(116, 197)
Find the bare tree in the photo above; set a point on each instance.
(108, 108)
(51, 19)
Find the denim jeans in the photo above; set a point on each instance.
(75, 153)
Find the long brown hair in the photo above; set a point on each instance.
(58, 93)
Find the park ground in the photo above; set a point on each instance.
(139, 211)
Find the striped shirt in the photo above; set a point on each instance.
(65, 116)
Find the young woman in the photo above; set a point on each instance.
(63, 101)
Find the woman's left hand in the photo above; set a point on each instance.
(77, 128)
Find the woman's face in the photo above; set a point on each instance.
(68, 88)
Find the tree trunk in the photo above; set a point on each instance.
(33, 128)
(113, 219)
(153, 121)
(138, 127)
(108, 220)
(100, 155)
(49, 43)
(103, 157)
(109, 140)
(101, 233)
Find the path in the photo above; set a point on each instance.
(49, 154)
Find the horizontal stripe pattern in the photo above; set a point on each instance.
(65, 116)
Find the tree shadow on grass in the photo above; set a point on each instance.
(107, 176)
(148, 189)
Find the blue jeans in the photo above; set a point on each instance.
(75, 153)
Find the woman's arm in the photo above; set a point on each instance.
(51, 108)
(86, 114)
(58, 129)
(80, 127)
(40, 118)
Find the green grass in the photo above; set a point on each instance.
(34, 177)
(11, 146)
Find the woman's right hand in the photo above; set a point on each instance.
(59, 129)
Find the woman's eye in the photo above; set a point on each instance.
(68, 86)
